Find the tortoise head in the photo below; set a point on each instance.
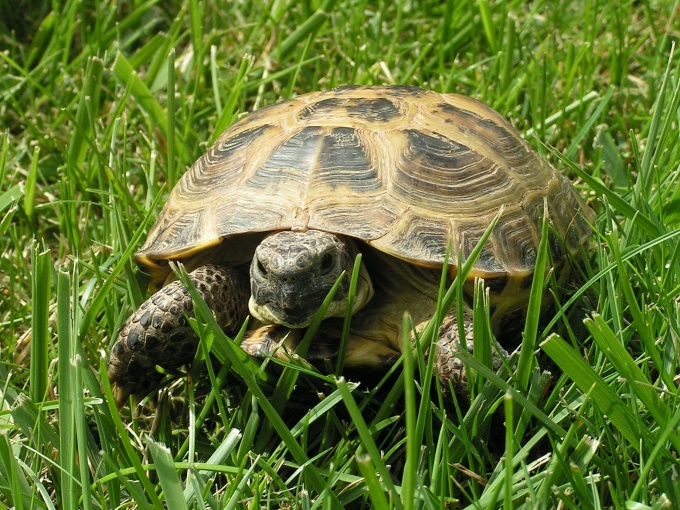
(292, 273)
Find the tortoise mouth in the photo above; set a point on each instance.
(270, 313)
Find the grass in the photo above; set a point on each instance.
(104, 105)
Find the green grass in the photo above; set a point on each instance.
(103, 105)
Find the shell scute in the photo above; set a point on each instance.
(363, 110)
(488, 261)
(344, 165)
(293, 160)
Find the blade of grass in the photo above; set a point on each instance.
(214, 70)
(227, 116)
(408, 486)
(351, 297)
(652, 152)
(488, 24)
(650, 225)
(526, 353)
(396, 32)
(367, 442)
(3, 165)
(375, 490)
(30, 187)
(196, 22)
(509, 409)
(41, 262)
(84, 129)
(146, 100)
(555, 472)
(250, 432)
(572, 363)
(310, 27)
(167, 476)
(455, 290)
(171, 128)
(556, 117)
(10, 196)
(236, 497)
(81, 430)
(15, 487)
(597, 114)
(66, 349)
(609, 268)
(482, 336)
(104, 292)
(32, 422)
(317, 412)
(507, 54)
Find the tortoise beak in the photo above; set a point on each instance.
(286, 314)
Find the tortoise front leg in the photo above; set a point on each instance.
(272, 340)
(159, 334)
(281, 342)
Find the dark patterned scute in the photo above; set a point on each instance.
(406, 170)
(374, 110)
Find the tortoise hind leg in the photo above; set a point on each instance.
(450, 368)
(159, 334)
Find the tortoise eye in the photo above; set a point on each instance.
(326, 263)
(260, 268)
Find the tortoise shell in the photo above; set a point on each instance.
(405, 170)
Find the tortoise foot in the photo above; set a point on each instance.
(450, 367)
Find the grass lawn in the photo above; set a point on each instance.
(103, 105)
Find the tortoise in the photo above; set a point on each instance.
(278, 208)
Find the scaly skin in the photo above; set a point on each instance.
(159, 334)
(449, 367)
